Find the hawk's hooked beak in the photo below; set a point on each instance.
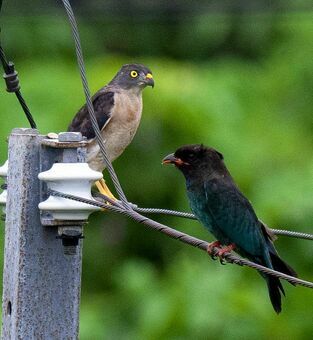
(171, 159)
(149, 80)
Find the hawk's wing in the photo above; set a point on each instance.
(103, 102)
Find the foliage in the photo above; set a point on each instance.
(140, 285)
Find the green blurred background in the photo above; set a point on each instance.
(235, 75)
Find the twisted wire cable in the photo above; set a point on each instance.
(296, 234)
(290, 233)
(81, 65)
(182, 237)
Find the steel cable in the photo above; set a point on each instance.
(90, 108)
(281, 232)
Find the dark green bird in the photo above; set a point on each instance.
(219, 205)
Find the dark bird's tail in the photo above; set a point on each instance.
(274, 289)
(273, 283)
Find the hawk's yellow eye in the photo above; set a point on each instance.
(133, 74)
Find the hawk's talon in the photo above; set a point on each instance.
(104, 190)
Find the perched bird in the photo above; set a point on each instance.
(118, 108)
(219, 205)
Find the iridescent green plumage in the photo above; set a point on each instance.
(219, 205)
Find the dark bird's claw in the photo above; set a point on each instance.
(223, 251)
(211, 249)
(213, 257)
(223, 261)
(220, 253)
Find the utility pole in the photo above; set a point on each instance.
(41, 284)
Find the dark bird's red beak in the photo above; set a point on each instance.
(171, 159)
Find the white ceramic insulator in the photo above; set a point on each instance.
(74, 179)
(4, 173)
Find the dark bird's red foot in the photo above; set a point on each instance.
(225, 250)
(210, 248)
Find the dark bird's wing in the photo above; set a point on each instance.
(234, 216)
(103, 102)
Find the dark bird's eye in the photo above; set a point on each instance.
(220, 155)
(134, 74)
(191, 155)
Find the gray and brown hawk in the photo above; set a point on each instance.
(118, 108)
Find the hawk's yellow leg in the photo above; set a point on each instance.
(104, 190)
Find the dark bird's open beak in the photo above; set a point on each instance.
(149, 80)
(171, 159)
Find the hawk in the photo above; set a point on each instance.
(118, 108)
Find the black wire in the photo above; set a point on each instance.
(8, 68)
(26, 109)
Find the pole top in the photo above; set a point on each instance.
(25, 131)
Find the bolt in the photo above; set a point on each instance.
(70, 238)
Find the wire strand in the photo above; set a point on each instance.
(81, 65)
(281, 232)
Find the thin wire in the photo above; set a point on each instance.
(295, 234)
(182, 237)
(7, 67)
(165, 212)
(281, 232)
(90, 108)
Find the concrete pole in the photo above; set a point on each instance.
(41, 285)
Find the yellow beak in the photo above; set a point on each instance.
(149, 80)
